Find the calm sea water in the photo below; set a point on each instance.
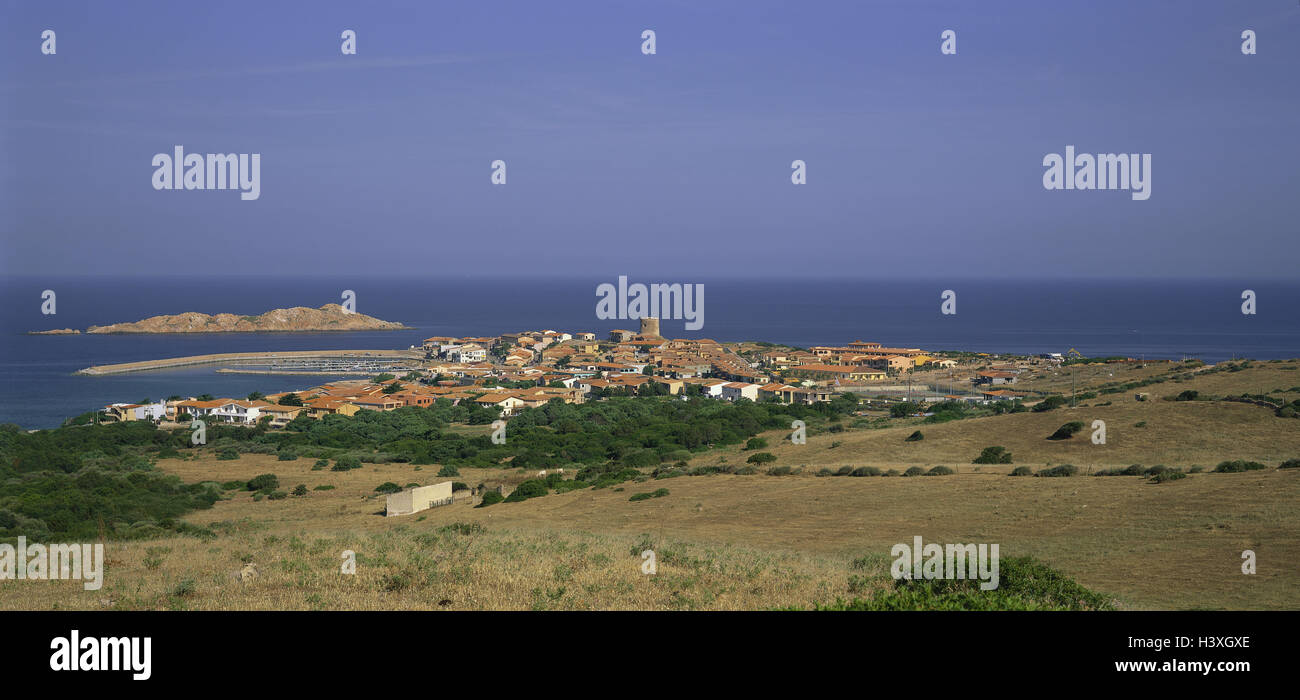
(1155, 319)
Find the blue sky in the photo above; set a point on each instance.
(676, 164)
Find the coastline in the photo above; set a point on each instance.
(216, 358)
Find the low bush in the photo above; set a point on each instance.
(387, 487)
(993, 455)
(1238, 465)
(490, 498)
(914, 471)
(263, 482)
(866, 471)
(1067, 431)
(916, 436)
(345, 463)
(1022, 471)
(531, 488)
(761, 458)
(1024, 584)
(1052, 402)
(1058, 470)
(657, 493)
(939, 471)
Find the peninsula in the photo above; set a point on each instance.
(330, 317)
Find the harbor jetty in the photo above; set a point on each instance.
(324, 361)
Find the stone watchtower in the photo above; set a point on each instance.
(650, 326)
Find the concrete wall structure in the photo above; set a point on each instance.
(418, 499)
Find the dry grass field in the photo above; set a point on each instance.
(729, 541)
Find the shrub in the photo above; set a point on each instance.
(756, 444)
(1022, 471)
(227, 453)
(778, 471)
(388, 487)
(1050, 403)
(1067, 431)
(893, 472)
(914, 471)
(657, 493)
(345, 463)
(745, 471)
(761, 458)
(993, 455)
(490, 498)
(448, 470)
(1024, 584)
(277, 495)
(844, 471)
(677, 456)
(1189, 395)
(865, 471)
(939, 471)
(1059, 470)
(916, 436)
(903, 409)
(286, 455)
(1171, 475)
(324, 487)
(642, 458)
(233, 486)
(320, 464)
(1237, 465)
(531, 488)
(1290, 464)
(263, 482)
(459, 486)
(300, 490)
(825, 472)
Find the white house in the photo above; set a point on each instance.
(239, 411)
(468, 353)
(740, 390)
(137, 411)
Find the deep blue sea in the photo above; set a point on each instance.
(1151, 318)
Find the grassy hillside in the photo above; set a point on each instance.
(754, 540)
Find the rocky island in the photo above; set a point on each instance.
(330, 317)
(56, 331)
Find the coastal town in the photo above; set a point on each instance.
(518, 370)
